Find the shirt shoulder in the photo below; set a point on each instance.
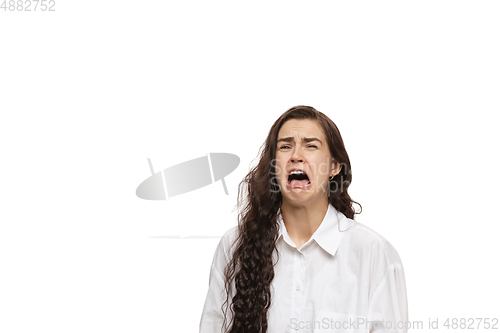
(230, 237)
(225, 249)
(365, 241)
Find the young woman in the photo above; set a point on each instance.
(297, 261)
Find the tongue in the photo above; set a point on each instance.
(299, 183)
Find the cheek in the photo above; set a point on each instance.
(282, 172)
(279, 169)
(321, 170)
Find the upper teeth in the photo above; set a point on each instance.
(297, 172)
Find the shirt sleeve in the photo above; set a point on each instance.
(212, 317)
(388, 305)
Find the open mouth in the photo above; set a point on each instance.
(298, 178)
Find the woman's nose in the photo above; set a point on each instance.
(296, 156)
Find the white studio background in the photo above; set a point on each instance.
(90, 91)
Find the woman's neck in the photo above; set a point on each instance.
(301, 221)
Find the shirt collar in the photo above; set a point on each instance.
(327, 235)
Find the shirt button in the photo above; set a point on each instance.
(297, 288)
(296, 328)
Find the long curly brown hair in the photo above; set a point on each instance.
(251, 267)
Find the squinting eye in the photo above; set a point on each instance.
(286, 146)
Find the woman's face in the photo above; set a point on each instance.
(302, 145)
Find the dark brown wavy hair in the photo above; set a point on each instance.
(251, 267)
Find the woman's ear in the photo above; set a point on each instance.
(336, 168)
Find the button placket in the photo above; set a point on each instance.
(298, 297)
(302, 264)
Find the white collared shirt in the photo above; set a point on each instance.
(349, 281)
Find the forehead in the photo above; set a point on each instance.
(301, 127)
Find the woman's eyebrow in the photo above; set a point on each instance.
(290, 139)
